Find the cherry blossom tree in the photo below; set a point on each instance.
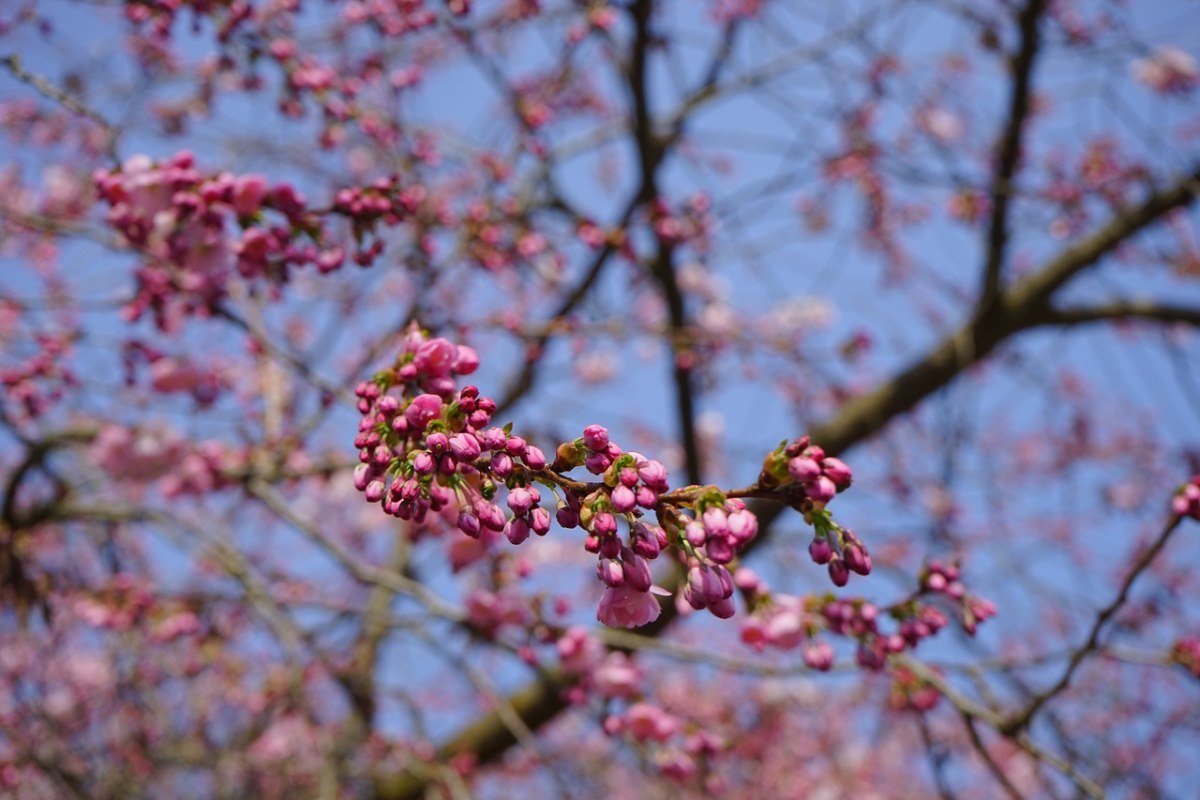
(573, 398)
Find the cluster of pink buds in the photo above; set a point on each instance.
(384, 201)
(840, 549)
(1186, 502)
(943, 579)
(712, 538)
(629, 484)
(785, 622)
(434, 444)
(858, 619)
(647, 724)
(426, 445)
(720, 530)
(36, 384)
(810, 479)
(496, 236)
(804, 463)
(178, 217)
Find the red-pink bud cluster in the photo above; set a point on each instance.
(721, 531)
(630, 483)
(1186, 502)
(434, 444)
(786, 622)
(383, 200)
(819, 475)
(842, 550)
(178, 217)
(155, 452)
(944, 579)
(35, 384)
(712, 538)
(648, 724)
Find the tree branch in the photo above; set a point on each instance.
(1008, 150)
(1019, 721)
(1120, 311)
(68, 101)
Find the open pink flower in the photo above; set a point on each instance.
(625, 607)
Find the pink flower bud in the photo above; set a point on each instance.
(837, 471)
(363, 473)
(820, 489)
(723, 608)
(747, 580)
(610, 546)
(595, 438)
(646, 497)
(623, 499)
(466, 360)
(604, 523)
(520, 500)
(534, 459)
(610, 571)
(248, 194)
(502, 465)
(743, 526)
(597, 463)
(492, 439)
(381, 456)
(490, 515)
(820, 551)
(423, 409)
(719, 550)
(468, 523)
(465, 447)
(838, 572)
(706, 585)
(517, 531)
(857, 559)
(539, 521)
(435, 358)
(804, 470)
(645, 541)
(637, 570)
(715, 522)
(654, 475)
(423, 463)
